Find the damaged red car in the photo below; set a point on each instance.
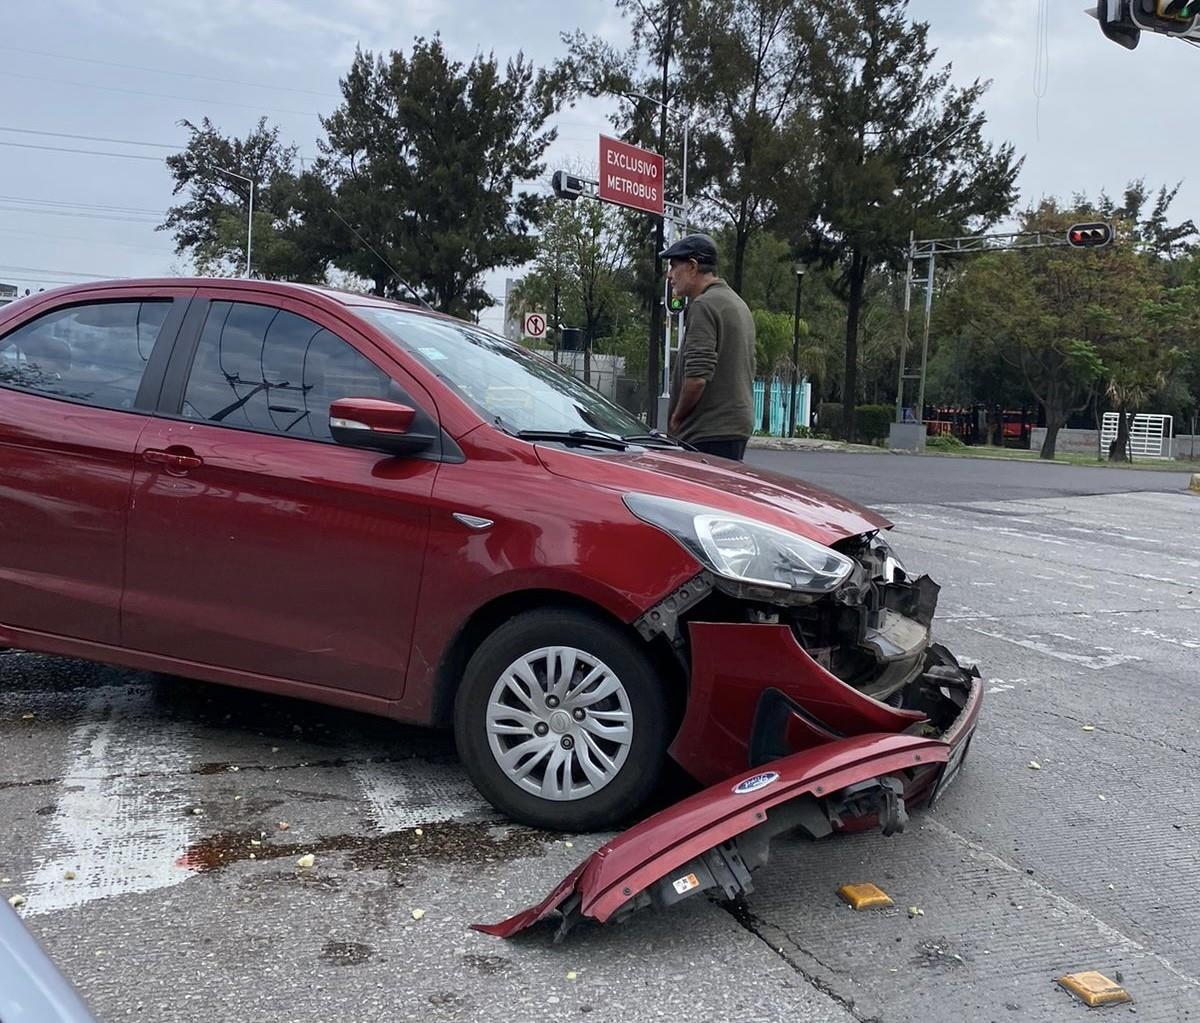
(340, 498)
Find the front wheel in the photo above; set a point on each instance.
(561, 721)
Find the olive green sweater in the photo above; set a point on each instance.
(718, 348)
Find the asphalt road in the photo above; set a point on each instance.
(1080, 610)
(906, 479)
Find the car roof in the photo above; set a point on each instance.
(340, 296)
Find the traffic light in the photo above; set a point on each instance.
(1089, 236)
(567, 186)
(1178, 10)
(676, 303)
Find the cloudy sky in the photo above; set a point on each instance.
(124, 72)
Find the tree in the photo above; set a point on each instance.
(743, 65)
(582, 266)
(901, 149)
(425, 158)
(1075, 323)
(210, 226)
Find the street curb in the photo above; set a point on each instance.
(811, 444)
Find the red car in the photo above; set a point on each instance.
(350, 500)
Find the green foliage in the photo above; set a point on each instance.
(426, 159)
(829, 418)
(873, 421)
(945, 442)
(900, 149)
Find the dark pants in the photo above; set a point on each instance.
(723, 447)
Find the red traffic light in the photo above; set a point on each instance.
(1089, 236)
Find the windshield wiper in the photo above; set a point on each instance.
(594, 437)
(654, 437)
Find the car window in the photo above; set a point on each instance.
(501, 379)
(261, 368)
(92, 353)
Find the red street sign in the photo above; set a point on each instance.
(630, 176)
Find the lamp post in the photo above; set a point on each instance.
(795, 350)
(249, 216)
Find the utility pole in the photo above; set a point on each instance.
(657, 311)
(795, 350)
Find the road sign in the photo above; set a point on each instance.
(630, 176)
(535, 325)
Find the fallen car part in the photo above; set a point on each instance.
(716, 838)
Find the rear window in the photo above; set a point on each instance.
(91, 353)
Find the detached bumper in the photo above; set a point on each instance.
(716, 838)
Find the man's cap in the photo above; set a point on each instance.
(699, 247)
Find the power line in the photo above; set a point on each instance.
(55, 273)
(162, 71)
(90, 241)
(82, 205)
(86, 152)
(89, 138)
(152, 221)
(157, 95)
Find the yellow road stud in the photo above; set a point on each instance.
(864, 896)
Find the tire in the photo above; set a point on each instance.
(562, 773)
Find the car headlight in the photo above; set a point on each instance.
(742, 549)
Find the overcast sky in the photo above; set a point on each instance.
(128, 71)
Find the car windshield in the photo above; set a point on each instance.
(508, 384)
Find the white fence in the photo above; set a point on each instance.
(1149, 435)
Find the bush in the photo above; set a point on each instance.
(872, 422)
(829, 418)
(945, 442)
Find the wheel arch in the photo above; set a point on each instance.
(491, 615)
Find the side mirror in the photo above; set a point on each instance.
(377, 425)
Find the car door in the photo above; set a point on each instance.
(257, 543)
(78, 379)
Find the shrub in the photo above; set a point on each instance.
(945, 442)
(872, 422)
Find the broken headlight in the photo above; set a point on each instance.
(745, 550)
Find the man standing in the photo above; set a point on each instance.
(712, 385)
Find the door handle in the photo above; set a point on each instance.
(179, 460)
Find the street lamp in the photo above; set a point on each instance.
(795, 350)
(250, 215)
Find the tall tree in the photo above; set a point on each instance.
(743, 64)
(210, 226)
(427, 157)
(901, 149)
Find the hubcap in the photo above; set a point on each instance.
(559, 723)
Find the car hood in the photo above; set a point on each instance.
(769, 497)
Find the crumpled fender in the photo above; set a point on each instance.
(732, 665)
(708, 833)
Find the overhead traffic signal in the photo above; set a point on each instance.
(567, 186)
(1089, 236)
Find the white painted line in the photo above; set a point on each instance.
(411, 793)
(1087, 660)
(110, 826)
